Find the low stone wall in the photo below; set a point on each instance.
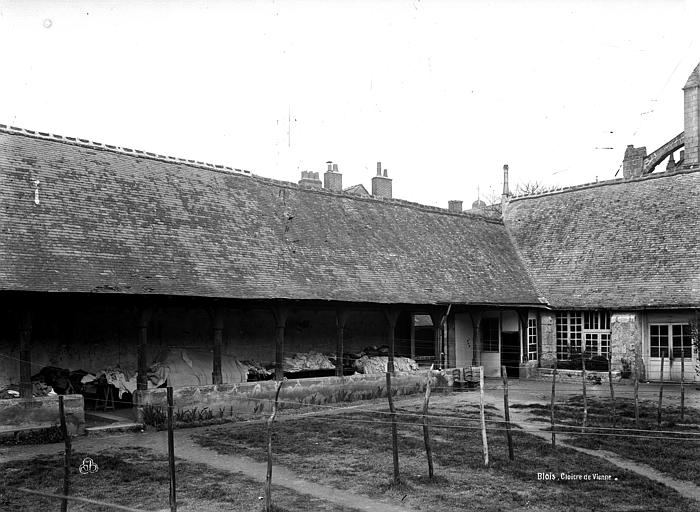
(574, 375)
(247, 398)
(42, 412)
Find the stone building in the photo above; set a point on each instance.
(112, 255)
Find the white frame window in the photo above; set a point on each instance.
(532, 339)
(670, 338)
(490, 334)
(587, 331)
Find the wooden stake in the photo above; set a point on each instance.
(268, 480)
(394, 433)
(66, 458)
(509, 437)
(612, 390)
(661, 390)
(636, 396)
(682, 379)
(585, 401)
(554, 382)
(171, 451)
(426, 431)
(483, 417)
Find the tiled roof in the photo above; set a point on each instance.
(615, 244)
(137, 223)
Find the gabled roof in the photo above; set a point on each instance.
(616, 244)
(145, 224)
(357, 190)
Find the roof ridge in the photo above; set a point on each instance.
(395, 201)
(617, 181)
(76, 141)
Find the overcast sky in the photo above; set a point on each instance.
(442, 93)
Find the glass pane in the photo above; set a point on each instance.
(605, 345)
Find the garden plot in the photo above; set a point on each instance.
(351, 451)
(672, 447)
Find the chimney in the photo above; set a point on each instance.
(633, 162)
(691, 119)
(506, 187)
(381, 183)
(309, 179)
(454, 206)
(332, 179)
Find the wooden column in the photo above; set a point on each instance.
(436, 318)
(142, 348)
(25, 355)
(476, 320)
(392, 316)
(341, 317)
(218, 336)
(413, 335)
(280, 314)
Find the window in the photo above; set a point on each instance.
(587, 331)
(532, 339)
(489, 334)
(673, 339)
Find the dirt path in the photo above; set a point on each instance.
(187, 449)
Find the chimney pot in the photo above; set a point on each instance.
(381, 184)
(330, 164)
(332, 179)
(309, 179)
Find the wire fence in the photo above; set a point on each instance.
(466, 415)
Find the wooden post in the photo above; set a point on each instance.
(171, 451)
(554, 382)
(268, 479)
(341, 317)
(280, 314)
(483, 417)
(636, 396)
(142, 349)
(67, 455)
(412, 336)
(216, 377)
(661, 391)
(394, 433)
(509, 437)
(436, 318)
(426, 426)
(612, 390)
(142, 360)
(585, 401)
(392, 316)
(25, 355)
(682, 379)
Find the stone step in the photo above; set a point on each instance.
(114, 427)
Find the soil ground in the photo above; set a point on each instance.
(324, 484)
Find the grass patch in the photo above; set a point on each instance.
(352, 451)
(655, 446)
(139, 478)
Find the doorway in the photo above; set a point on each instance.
(510, 353)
